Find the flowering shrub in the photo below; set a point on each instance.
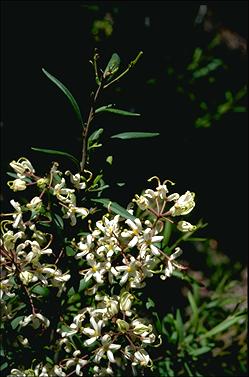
(71, 274)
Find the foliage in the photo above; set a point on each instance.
(76, 267)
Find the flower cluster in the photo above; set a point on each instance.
(112, 259)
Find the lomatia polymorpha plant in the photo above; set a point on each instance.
(74, 263)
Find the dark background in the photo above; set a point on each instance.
(56, 35)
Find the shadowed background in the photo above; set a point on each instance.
(58, 35)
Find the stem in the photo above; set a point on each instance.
(86, 128)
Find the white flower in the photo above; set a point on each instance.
(64, 194)
(76, 180)
(136, 228)
(108, 227)
(9, 239)
(26, 277)
(85, 246)
(72, 211)
(58, 371)
(171, 265)
(107, 347)
(130, 270)
(96, 271)
(142, 358)
(94, 333)
(147, 242)
(17, 185)
(183, 205)
(78, 362)
(126, 299)
(184, 226)
(35, 204)
(36, 319)
(22, 166)
(18, 223)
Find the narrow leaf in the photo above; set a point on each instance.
(95, 135)
(167, 233)
(179, 326)
(228, 322)
(194, 308)
(67, 93)
(55, 152)
(134, 135)
(110, 109)
(115, 207)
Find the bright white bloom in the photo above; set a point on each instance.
(35, 204)
(142, 358)
(78, 362)
(126, 299)
(26, 277)
(107, 347)
(64, 194)
(184, 226)
(72, 211)
(96, 271)
(102, 372)
(147, 242)
(5, 287)
(17, 185)
(183, 205)
(94, 333)
(171, 265)
(76, 180)
(108, 227)
(22, 166)
(18, 223)
(130, 270)
(136, 228)
(36, 321)
(85, 246)
(58, 371)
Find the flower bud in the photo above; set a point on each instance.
(184, 226)
(17, 185)
(26, 277)
(183, 205)
(123, 326)
(22, 166)
(126, 301)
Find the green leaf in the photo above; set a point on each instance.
(109, 160)
(179, 326)
(200, 351)
(110, 109)
(194, 308)
(67, 93)
(70, 251)
(112, 66)
(167, 233)
(15, 322)
(115, 207)
(95, 135)
(14, 175)
(228, 322)
(150, 303)
(134, 135)
(55, 152)
(58, 221)
(40, 290)
(4, 366)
